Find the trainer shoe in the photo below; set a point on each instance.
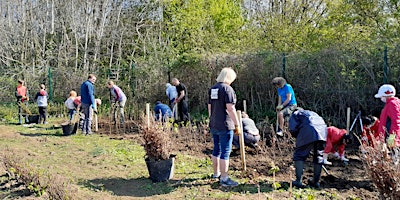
(228, 183)
(297, 184)
(280, 133)
(216, 177)
(344, 159)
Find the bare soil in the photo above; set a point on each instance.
(347, 181)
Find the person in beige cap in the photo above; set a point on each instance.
(389, 128)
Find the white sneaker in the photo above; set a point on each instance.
(326, 162)
(344, 159)
(280, 133)
(336, 155)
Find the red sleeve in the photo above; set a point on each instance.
(382, 119)
(43, 93)
(329, 145)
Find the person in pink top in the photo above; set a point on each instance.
(336, 138)
(389, 127)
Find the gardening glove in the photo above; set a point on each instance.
(279, 107)
(390, 140)
(236, 131)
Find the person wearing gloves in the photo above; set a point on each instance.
(119, 98)
(223, 124)
(88, 103)
(286, 101)
(389, 126)
(336, 138)
(310, 132)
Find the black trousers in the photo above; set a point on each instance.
(183, 111)
(42, 114)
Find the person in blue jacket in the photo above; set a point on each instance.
(310, 132)
(162, 111)
(88, 103)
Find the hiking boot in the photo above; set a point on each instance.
(312, 184)
(228, 183)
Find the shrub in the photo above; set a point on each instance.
(383, 168)
(156, 139)
(39, 182)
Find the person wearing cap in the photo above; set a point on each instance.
(310, 132)
(389, 126)
(337, 138)
(286, 101)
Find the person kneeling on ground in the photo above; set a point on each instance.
(310, 132)
(336, 138)
(162, 111)
(370, 132)
(250, 133)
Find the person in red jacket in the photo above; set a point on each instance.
(339, 139)
(370, 131)
(389, 126)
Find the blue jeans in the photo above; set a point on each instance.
(222, 143)
(71, 113)
(87, 124)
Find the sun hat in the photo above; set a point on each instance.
(386, 90)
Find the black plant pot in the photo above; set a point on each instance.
(161, 170)
(69, 129)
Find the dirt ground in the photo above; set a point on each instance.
(349, 181)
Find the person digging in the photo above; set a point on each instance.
(310, 132)
(336, 138)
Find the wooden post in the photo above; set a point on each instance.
(348, 121)
(244, 106)
(96, 123)
(148, 114)
(241, 140)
